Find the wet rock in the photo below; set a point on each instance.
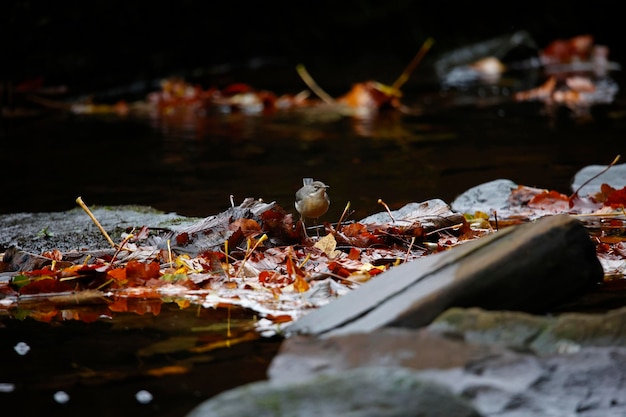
(497, 381)
(510, 329)
(73, 230)
(528, 268)
(301, 357)
(431, 215)
(488, 197)
(567, 332)
(361, 392)
(588, 383)
(455, 69)
(614, 176)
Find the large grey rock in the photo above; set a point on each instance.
(361, 392)
(301, 357)
(499, 382)
(529, 268)
(588, 383)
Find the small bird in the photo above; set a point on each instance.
(312, 200)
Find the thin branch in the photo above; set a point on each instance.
(594, 177)
(310, 82)
(404, 77)
(380, 201)
(80, 202)
(343, 215)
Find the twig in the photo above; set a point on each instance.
(404, 77)
(343, 215)
(226, 259)
(408, 251)
(120, 247)
(105, 284)
(594, 177)
(169, 252)
(452, 227)
(310, 82)
(249, 252)
(333, 275)
(380, 201)
(306, 259)
(80, 202)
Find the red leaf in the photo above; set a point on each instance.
(552, 201)
(182, 238)
(617, 198)
(336, 268)
(45, 285)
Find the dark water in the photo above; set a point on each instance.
(102, 368)
(192, 165)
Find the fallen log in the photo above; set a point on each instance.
(529, 267)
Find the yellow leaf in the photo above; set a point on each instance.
(327, 244)
(300, 284)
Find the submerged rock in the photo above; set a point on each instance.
(362, 392)
(363, 374)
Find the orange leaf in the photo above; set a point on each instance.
(354, 254)
(300, 284)
(142, 270)
(249, 227)
(168, 370)
(119, 304)
(118, 274)
(55, 254)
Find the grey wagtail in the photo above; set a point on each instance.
(312, 200)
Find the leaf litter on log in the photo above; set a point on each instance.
(250, 256)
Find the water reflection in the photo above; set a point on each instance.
(130, 363)
(191, 164)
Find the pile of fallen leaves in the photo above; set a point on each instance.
(255, 256)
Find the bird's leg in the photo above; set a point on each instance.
(306, 236)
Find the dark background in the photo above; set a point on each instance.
(108, 50)
(97, 45)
